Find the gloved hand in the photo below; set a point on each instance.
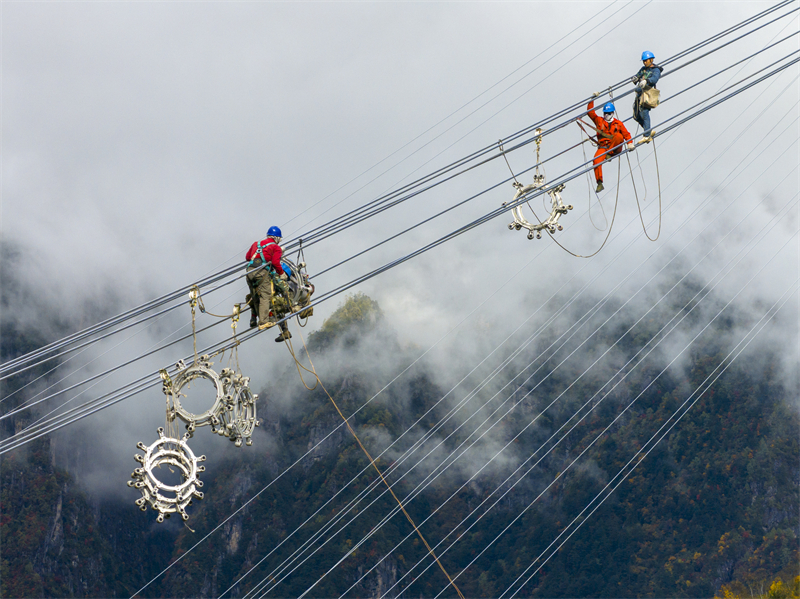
(284, 277)
(642, 83)
(630, 145)
(595, 94)
(634, 79)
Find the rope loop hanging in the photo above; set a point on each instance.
(636, 195)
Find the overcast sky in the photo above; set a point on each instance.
(145, 145)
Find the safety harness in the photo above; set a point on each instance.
(260, 254)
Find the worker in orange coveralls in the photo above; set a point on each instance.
(611, 134)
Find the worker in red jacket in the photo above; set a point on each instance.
(611, 134)
(264, 273)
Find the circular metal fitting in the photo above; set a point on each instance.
(199, 370)
(557, 208)
(166, 499)
(238, 421)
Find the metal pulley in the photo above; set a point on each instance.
(300, 288)
(166, 499)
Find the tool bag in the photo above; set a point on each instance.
(650, 98)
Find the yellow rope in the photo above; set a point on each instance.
(313, 371)
(198, 299)
(298, 365)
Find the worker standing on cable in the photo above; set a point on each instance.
(264, 275)
(647, 96)
(611, 135)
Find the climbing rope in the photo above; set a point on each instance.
(313, 371)
(300, 367)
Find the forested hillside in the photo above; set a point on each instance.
(713, 505)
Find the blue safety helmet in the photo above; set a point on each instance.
(609, 107)
(274, 232)
(647, 55)
(286, 269)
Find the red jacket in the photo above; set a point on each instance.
(271, 252)
(606, 131)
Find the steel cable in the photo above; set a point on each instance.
(691, 306)
(698, 393)
(488, 216)
(115, 320)
(251, 591)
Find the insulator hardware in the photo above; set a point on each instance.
(557, 207)
(165, 498)
(549, 224)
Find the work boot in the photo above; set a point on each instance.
(599, 187)
(283, 336)
(646, 139)
(266, 325)
(253, 321)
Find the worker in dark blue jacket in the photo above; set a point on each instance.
(645, 81)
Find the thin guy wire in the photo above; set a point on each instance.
(1, 367)
(695, 392)
(493, 214)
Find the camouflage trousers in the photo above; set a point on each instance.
(264, 286)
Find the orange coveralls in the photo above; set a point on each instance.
(609, 135)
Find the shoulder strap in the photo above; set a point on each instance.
(260, 253)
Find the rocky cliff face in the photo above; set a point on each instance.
(51, 543)
(715, 504)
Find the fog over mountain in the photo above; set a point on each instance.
(145, 146)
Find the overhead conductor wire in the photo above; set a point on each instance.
(737, 168)
(233, 269)
(642, 453)
(690, 306)
(500, 211)
(588, 402)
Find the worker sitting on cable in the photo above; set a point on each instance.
(265, 275)
(611, 134)
(646, 94)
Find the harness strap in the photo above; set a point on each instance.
(591, 139)
(260, 253)
(599, 133)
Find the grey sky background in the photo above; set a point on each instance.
(145, 145)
